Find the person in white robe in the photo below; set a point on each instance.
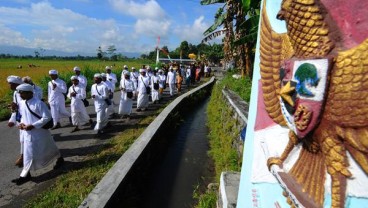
(82, 79)
(188, 77)
(126, 99)
(134, 77)
(40, 149)
(111, 76)
(37, 91)
(14, 82)
(110, 111)
(143, 96)
(155, 86)
(99, 94)
(76, 94)
(56, 90)
(125, 70)
(171, 81)
(162, 83)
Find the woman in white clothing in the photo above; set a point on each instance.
(126, 100)
(155, 85)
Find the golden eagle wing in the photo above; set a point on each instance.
(347, 100)
(274, 48)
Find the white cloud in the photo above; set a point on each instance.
(59, 29)
(192, 33)
(151, 19)
(145, 10)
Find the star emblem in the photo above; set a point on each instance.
(287, 92)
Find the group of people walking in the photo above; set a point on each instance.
(34, 118)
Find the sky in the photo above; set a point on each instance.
(84, 25)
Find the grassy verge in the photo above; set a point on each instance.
(222, 133)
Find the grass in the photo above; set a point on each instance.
(39, 73)
(223, 132)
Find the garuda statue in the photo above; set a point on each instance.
(315, 82)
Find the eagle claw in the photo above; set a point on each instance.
(274, 161)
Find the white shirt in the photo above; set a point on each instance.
(171, 77)
(109, 85)
(143, 82)
(76, 102)
(127, 85)
(162, 78)
(100, 92)
(82, 81)
(37, 92)
(112, 78)
(56, 95)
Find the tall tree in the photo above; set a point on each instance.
(111, 50)
(184, 49)
(99, 53)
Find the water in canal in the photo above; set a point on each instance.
(185, 165)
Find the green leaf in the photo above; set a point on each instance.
(218, 21)
(207, 2)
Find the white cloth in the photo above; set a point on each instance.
(126, 104)
(56, 100)
(110, 109)
(101, 93)
(82, 81)
(37, 92)
(78, 110)
(171, 79)
(112, 78)
(134, 77)
(188, 73)
(39, 146)
(162, 80)
(142, 100)
(154, 93)
(17, 99)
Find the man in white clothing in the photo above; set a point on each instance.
(111, 76)
(37, 91)
(39, 146)
(134, 77)
(126, 99)
(82, 79)
(171, 80)
(110, 109)
(143, 90)
(56, 90)
(155, 86)
(125, 70)
(14, 82)
(162, 82)
(79, 113)
(99, 94)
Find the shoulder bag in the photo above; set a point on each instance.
(148, 89)
(129, 94)
(48, 125)
(85, 101)
(107, 100)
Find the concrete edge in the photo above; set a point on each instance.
(226, 92)
(103, 191)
